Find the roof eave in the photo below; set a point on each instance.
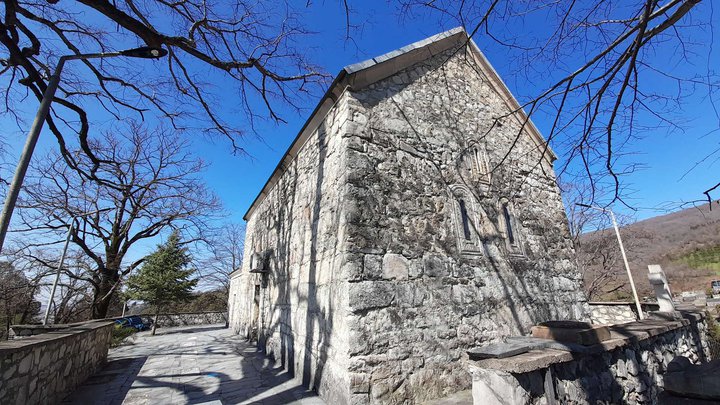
(320, 110)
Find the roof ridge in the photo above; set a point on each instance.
(356, 67)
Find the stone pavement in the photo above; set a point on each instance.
(190, 365)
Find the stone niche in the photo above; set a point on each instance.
(399, 231)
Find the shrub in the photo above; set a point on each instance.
(119, 334)
(713, 335)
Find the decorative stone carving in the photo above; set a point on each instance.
(469, 220)
(475, 167)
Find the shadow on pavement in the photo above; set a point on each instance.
(171, 331)
(180, 368)
(110, 384)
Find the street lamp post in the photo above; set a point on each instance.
(62, 260)
(31, 141)
(624, 256)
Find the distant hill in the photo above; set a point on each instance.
(685, 243)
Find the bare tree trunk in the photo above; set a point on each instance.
(166, 192)
(101, 303)
(157, 312)
(104, 292)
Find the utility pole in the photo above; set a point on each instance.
(62, 261)
(624, 256)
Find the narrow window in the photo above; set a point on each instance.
(508, 224)
(464, 219)
(479, 163)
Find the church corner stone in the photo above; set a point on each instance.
(395, 239)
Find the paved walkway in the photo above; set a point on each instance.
(191, 365)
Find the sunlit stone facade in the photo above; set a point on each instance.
(415, 217)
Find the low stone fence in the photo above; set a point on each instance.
(190, 318)
(44, 368)
(628, 368)
(614, 312)
(20, 331)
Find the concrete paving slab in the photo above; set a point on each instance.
(190, 365)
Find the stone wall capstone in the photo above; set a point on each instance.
(43, 369)
(627, 369)
(611, 313)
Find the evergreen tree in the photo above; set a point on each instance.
(164, 277)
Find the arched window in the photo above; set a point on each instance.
(467, 219)
(464, 219)
(509, 226)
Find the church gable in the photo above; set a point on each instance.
(396, 66)
(457, 220)
(441, 128)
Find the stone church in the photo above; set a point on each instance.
(415, 216)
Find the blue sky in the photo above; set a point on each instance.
(665, 157)
(238, 179)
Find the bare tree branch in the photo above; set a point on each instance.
(148, 183)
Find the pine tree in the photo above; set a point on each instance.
(164, 277)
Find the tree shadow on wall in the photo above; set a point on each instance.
(318, 317)
(318, 325)
(513, 274)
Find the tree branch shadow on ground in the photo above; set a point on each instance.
(261, 379)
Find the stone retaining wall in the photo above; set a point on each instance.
(626, 369)
(612, 313)
(43, 369)
(190, 318)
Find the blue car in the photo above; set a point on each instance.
(134, 322)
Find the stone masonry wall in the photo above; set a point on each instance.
(611, 313)
(43, 369)
(430, 278)
(632, 375)
(195, 318)
(385, 243)
(297, 309)
(628, 370)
